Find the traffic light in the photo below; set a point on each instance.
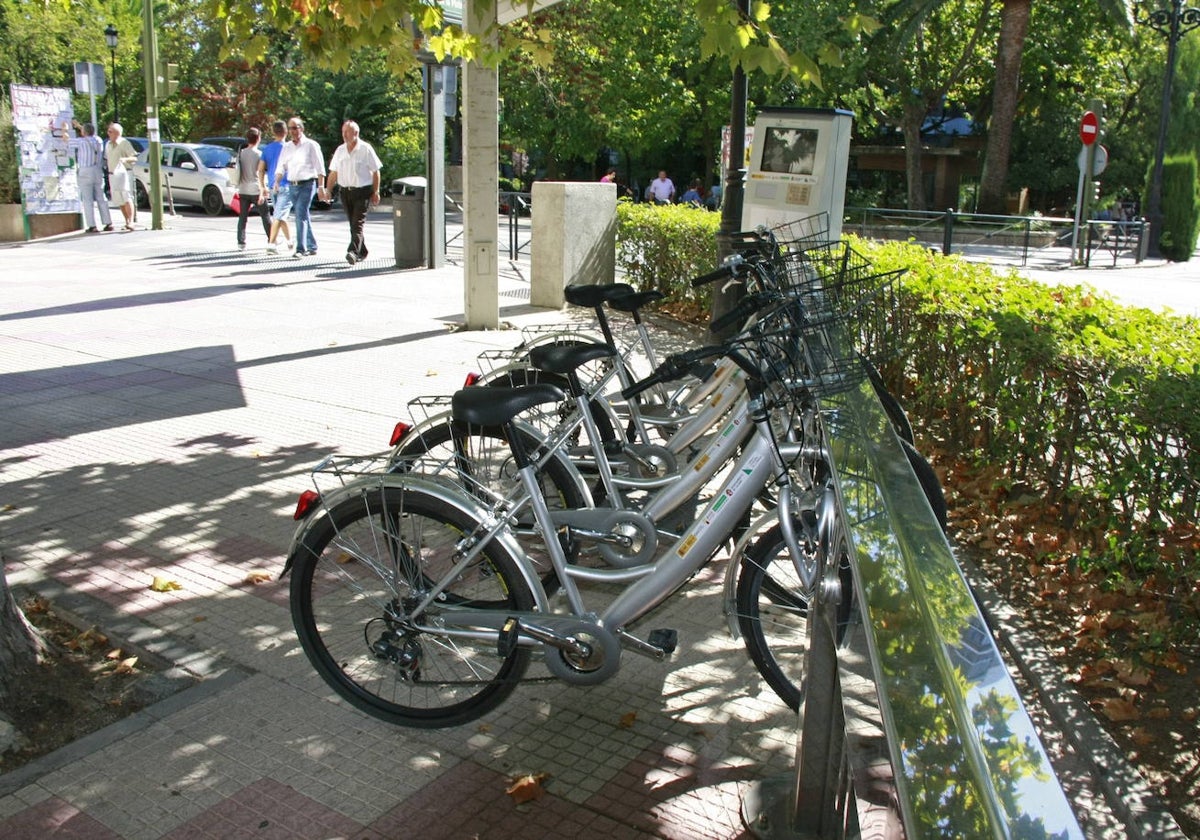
(168, 79)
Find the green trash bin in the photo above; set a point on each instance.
(408, 222)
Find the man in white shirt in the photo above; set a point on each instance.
(662, 189)
(356, 167)
(304, 165)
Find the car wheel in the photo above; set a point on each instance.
(213, 203)
(143, 197)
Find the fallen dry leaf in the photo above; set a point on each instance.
(1131, 674)
(162, 584)
(527, 788)
(115, 653)
(627, 720)
(255, 578)
(1119, 710)
(1142, 737)
(126, 666)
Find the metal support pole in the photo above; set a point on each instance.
(110, 38)
(948, 232)
(435, 166)
(1174, 22)
(154, 153)
(725, 299)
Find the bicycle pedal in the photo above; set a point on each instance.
(506, 642)
(664, 639)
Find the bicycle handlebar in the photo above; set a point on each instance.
(731, 268)
(746, 307)
(675, 366)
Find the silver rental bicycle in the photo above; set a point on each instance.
(415, 601)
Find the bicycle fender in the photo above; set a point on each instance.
(445, 492)
(729, 595)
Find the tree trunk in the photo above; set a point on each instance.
(1014, 25)
(914, 116)
(20, 644)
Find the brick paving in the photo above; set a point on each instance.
(163, 397)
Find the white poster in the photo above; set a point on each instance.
(48, 176)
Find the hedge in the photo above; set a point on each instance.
(1181, 208)
(1092, 406)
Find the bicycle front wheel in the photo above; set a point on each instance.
(355, 575)
(773, 613)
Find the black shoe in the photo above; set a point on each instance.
(108, 227)
(93, 230)
(351, 257)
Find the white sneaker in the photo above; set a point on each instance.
(287, 244)
(272, 248)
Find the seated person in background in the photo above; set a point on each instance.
(694, 195)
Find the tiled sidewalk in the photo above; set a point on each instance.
(164, 396)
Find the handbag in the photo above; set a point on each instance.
(236, 204)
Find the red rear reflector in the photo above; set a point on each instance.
(399, 432)
(308, 500)
(471, 379)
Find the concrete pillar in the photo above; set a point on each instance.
(481, 159)
(574, 238)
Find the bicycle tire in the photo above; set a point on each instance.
(891, 406)
(773, 614)
(353, 573)
(931, 485)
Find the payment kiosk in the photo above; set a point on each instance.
(798, 163)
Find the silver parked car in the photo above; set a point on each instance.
(195, 174)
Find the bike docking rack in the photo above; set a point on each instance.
(911, 725)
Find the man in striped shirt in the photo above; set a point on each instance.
(88, 154)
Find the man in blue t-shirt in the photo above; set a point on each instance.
(281, 204)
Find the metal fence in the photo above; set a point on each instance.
(1015, 240)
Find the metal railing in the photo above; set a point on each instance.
(963, 754)
(1019, 240)
(516, 205)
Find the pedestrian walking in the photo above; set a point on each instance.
(119, 155)
(661, 189)
(251, 187)
(279, 197)
(355, 167)
(304, 165)
(88, 152)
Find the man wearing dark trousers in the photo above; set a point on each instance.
(354, 166)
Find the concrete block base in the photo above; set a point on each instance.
(574, 240)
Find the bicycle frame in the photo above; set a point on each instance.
(763, 458)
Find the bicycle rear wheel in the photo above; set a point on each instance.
(359, 570)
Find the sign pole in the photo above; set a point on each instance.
(1089, 132)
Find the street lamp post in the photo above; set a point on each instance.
(1173, 22)
(110, 38)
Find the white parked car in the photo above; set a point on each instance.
(195, 174)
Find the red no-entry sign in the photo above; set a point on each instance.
(1089, 128)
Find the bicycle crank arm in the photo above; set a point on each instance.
(577, 651)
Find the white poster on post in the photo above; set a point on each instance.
(41, 122)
